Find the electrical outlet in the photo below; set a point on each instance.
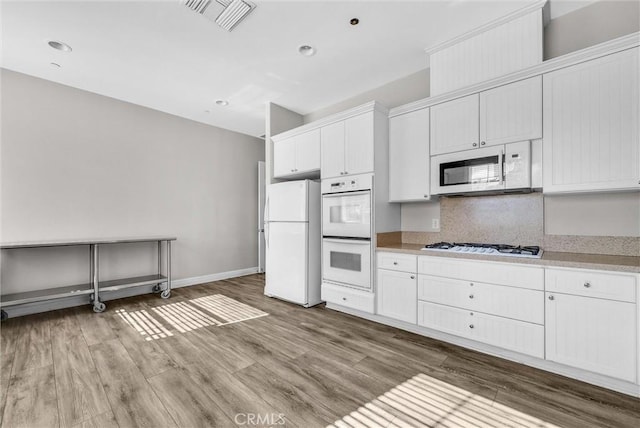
(435, 223)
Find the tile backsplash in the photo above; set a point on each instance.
(511, 219)
(505, 219)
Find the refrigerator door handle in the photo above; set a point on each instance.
(266, 234)
(266, 222)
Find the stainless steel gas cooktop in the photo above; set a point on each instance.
(487, 249)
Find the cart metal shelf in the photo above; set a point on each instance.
(95, 287)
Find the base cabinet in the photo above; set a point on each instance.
(519, 336)
(592, 321)
(397, 295)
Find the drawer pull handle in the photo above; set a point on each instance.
(344, 298)
(395, 263)
(470, 325)
(551, 297)
(413, 277)
(475, 144)
(471, 296)
(587, 284)
(471, 284)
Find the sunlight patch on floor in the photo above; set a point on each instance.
(184, 317)
(423, 401)
(144, 323)
(228, 309)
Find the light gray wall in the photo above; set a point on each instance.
(75, 164)
(402, 91)
(590, 25)
(611, 214)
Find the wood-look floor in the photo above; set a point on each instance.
(304, 367)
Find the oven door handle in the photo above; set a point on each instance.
(347, 241)
(345, 194)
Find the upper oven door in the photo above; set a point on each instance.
(347, 214)
(475, 170)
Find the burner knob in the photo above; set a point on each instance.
(471, 296)
(470, 325)
(587, 284)
(551, 297)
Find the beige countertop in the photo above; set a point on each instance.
(549, 258)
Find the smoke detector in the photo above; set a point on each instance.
(233, 12)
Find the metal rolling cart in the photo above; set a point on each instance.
(94, 288)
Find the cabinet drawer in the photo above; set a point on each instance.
(588, 283)
(482, 271)
(517, 303)
(344, 296)
(396, 261)
(518, 336)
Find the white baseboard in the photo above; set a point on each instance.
(70, 302)
(185, 282)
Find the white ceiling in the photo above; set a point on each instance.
(162, 55)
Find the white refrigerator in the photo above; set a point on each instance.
(293, 239)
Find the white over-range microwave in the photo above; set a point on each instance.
(513, 167)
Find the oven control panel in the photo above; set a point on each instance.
(347, 184)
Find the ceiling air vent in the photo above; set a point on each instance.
(232, 13)
(198, 6)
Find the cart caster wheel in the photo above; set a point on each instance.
(165, 294)
(99, 307)
(4, 316)
(156, 288)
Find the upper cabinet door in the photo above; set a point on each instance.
(454, 125)
(409, 156)
(358, 157)
(511, 112)
(308, 151)
(284, 157)
(332, 150)
(590, 139)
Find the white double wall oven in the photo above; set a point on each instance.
(347, 216)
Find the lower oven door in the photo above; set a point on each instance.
(347, 262)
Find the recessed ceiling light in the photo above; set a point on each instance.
(222, 103)
(207, 111)
(354, 21)
(60, 46)
(307, 50)
(55, 65)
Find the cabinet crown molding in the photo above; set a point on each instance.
(488, 26)
(592, 52)
(337, 117)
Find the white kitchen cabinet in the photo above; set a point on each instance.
(297, 155)
(523, 337)
(454, 125)
(347, 146)
(501, 304)
(332, 149)
(590, 137)
(511, 113)
(284, 157)
(587, 331)
(409, 156)
(397, 295)
(501, 115)
(358, 145)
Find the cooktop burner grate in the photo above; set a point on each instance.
(531, 251)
